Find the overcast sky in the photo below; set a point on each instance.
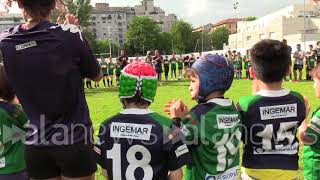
(199, 12)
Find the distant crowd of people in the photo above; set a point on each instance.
(162, 64)
(301, 60)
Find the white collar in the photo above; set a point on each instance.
(271, 93)
(221, 102)
(136, 111)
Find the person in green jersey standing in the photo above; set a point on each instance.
(166, 65)
(310, 61)
(12, 161)
(310, 136)
(118, 73)
(111, 68)
(180, 67)
(211, 128)
(104, 67)
(247, 64)
(173, 62)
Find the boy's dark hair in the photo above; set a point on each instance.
(137, 100)
(6, 91)
(270, 60)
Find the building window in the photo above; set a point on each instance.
(248, 38)
(109, 17)
(262, 36)
(103, 22)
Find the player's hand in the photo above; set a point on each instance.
(176, 109)
(69, 19)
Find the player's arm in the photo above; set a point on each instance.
(307, 131)
(20, 118)
(89, 65)
(100, 150)
(176, 175)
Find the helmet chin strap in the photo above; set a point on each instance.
(201, 99)
(122, 102)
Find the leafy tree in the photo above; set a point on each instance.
(81, 8)
(181, 32)
(251, 18)
(143, 34)
(219, 37)
(165, 43)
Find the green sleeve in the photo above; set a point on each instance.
(246, 101)
(20, 117)
(313, 129)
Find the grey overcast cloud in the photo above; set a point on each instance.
(199, 12)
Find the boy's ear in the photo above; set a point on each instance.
(252, 73)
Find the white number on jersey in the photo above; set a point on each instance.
(134, 163)
(282, 134)
(224, 146)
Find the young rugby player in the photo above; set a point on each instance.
(137, 143)
(310, 61)
(180, 67)
(271, 117)
(104, 66)
(247, 64)
(12, 160)
(118, 73)
(299, 56)
(212, 127)
(310, 135)
(111, 68)
(173, 62)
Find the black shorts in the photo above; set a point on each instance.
(72, 161)
(298, 67)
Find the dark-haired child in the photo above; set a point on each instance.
(271, 117)
(138, 143)
(212, 128)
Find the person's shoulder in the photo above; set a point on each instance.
(297, 95)
(246, 101)
(108, 121)
(162, 120)
(13, 110)
(9, 32)
(68, 30)
(202, 109)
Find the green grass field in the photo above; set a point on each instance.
(104, 102)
